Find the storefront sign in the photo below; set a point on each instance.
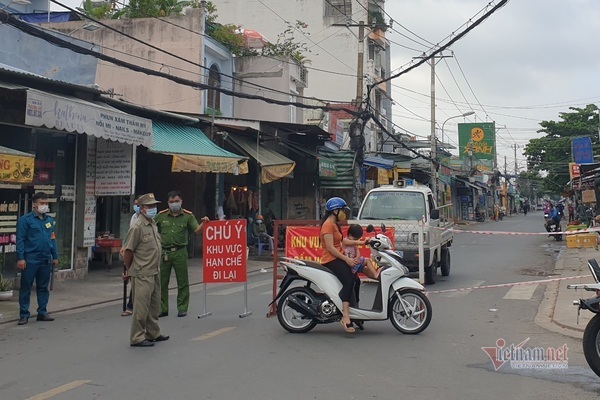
(272, 173)
(327, 168)
(114, 163)
(574, 171)
(75, 115)
(588, 196)
(477, 139)
(224, 251)
(67, 193)
(383, 176)
(187, 163)
(89, 215)
(582, 150)
(16, 168)
(304, 242)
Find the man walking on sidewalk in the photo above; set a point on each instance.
(37, 255)
(142, 260)
(173, 225)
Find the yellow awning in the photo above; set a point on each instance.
(188, 163)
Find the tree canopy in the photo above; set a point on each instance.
(551, 154)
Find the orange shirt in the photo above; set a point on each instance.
(332, 229)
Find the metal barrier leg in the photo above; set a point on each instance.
(205, 314)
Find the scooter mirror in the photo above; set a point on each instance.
(370, 228)
(382, 228)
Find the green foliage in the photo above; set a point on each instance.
(229, 36)
(152, 8)
(210, 111)
(287, 46)
(552, 153)
(103, 11)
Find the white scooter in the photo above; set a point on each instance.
(398, 297)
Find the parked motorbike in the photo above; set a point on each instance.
(591, 335)
(480, 216)
(552, 227)
(398, 297)
(501, 213)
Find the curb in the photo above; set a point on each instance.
(104, 302)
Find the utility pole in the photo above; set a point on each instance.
(434, 164)
(515, 147)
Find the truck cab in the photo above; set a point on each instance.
(403, 206)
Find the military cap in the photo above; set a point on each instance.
(147, 199)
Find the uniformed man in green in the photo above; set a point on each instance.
(142, 262)
(174, 224)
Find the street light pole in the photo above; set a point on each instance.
(456, 116)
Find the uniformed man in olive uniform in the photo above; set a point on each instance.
(142, 261)
(174, 224)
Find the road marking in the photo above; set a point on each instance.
(61, 389)
(472, 285)
(270, 292)
(241, 288)
(213, 334)
(520, 292)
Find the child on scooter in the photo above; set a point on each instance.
(350, 243)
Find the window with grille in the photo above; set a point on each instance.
(213, 100)
(338, 8)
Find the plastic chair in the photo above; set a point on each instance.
(257, 242)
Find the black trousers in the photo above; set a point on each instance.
(346, 277)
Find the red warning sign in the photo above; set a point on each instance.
(224, 251)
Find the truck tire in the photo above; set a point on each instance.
(431, 272)
(445, 263)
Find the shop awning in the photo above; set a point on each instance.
(273, 166)
(17, 166)
(344, 174)
(378, 162)
(193, 151)
(72, 114)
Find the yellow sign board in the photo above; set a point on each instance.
(16, 168)
(383, 176)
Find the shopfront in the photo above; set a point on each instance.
(79, 152)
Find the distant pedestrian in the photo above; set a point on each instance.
(37, 256)
(174, 223)
(142, 262)
(571, 211)
(136, 213)
(259, 230)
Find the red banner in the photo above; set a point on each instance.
(304, 242)
(224, 251)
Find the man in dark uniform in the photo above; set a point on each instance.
(37, 255)
(174, 224)
(142, 260)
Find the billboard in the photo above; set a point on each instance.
(581, 148)
(480, 138)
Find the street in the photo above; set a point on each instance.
(85, 354)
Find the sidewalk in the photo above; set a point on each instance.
(557, 312)
(103, 286)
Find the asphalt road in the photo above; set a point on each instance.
(86, 354)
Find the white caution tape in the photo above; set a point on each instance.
(502, 285)
(573, 232)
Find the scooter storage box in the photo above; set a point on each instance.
(582, 240)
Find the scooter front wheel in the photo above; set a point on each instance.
(591, 344)
(290, 319)
(410, 311)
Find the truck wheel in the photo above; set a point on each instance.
(445, 263)
(431, 272)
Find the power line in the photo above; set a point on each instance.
(37, 32)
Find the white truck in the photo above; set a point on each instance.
(402, 206)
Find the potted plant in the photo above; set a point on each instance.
(6, 289)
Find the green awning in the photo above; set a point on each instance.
(193, 151)
(273, 166)
(344, 177)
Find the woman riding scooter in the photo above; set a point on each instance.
(333, 257)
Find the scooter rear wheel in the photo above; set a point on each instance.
(591, 344)
(291, 320)
(410, 311)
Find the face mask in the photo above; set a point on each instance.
(136, 209)
(175, 207)
(341, 215)
(43, 209)
(151, 212)
(259, 221)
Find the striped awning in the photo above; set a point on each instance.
(344, 176)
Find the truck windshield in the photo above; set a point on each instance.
(394, 205)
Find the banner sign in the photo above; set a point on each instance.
(16, 168)
(304, 242)
(76, 115)
(574, 171)
(582, 150)
(327, 168)
(224, 251)
(479, 138)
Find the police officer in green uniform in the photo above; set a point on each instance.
(142, 260)
(174, 224)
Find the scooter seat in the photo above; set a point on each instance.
(318, 266)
